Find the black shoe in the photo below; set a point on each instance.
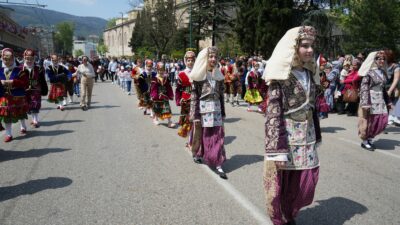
(368, 147)
(197, 160)
(221, 174)
(372, 145)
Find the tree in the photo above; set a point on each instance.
(155, 29)
(140, 33)
(162, 25)
(101, 47)
(63, 37)
(371, 24)
(261, 23)
(111, 22)
(78, 53)
(211, 19)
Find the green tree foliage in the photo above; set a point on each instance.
(261, 23)
(211, 18)
(78, 53)
(101, 47)
(371, 24)
(155, 28)
(111, 22)
(63, 38)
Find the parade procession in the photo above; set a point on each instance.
(192, 112)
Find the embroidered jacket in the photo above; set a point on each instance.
(373, 82)
(288, 99)
(20, 81)
(202, 90)
(183, 88)
(161, 89)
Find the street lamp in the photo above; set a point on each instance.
(122, 32)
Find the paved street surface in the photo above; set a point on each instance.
(111, 165)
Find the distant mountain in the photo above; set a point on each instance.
(32, 16)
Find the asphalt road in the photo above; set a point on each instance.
(111, 165)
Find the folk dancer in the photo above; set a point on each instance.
(183, 92)
(252, 96)
(135, 73)
(37, 86)
(13, 105)
(292, 131)
(145, 79)
(207, 110)
(161, 92)
(58, 76)
(374, 100)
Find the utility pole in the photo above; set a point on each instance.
(122, 32)
(190, 25)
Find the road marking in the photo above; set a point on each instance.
(377, 150)
(258, 214)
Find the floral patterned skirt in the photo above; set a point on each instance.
(184, 119)
(162, 109)
(57, 93)
(34, 100)
(253, 96)
(13, 108)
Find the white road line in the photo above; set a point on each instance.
(258, 214)
(377, 150)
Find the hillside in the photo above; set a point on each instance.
(84, 26)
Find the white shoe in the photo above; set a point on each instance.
(64, 102)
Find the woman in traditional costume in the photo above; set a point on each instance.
(135, 73)
(13, 105)
(292, 131)
(161, 92)
(37, 86)
(374, 100)
(252, 96)
(145, 79)
(58, 76)
(183, 92)
(207, 110)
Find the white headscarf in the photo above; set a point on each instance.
(281, 62)
(199, 71)
(368, 64)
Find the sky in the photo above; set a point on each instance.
(105, 9)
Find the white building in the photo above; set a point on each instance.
(117, 38)
(88, 48)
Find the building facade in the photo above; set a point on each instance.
(88, 48)
(19, 38)
(117, 38)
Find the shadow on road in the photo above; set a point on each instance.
(36, 133)
(333, 211)
(237, 161)
(32, 187)
(386, 144)
(231, 120)
(392, 129)
(103, 106)
(229, 139)
(56, 122)
(33, 153)
(331, 129)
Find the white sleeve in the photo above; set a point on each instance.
(282, 157)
